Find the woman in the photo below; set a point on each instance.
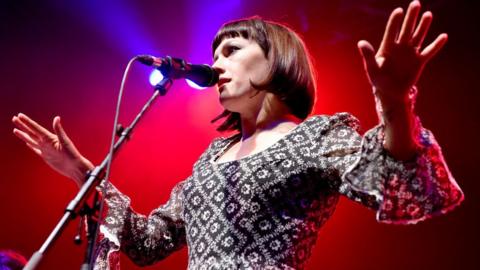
(256, 200)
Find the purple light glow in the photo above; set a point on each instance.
(203, 30)
(119, 23)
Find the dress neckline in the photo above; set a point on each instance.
(234, 138)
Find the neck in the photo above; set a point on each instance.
(273, 115)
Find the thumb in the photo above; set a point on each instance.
(62, 135)
(368, 55)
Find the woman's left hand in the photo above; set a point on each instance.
(395, 68)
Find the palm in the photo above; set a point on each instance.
(54, 153)
(399, 61)
(56, 149)
(397, 68)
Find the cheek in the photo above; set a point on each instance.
(241, 76)
(258, 69)
(239, 87)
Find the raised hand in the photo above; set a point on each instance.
(56, 149)
(395, 68)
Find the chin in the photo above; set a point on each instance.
(231, 104)
(227, 104)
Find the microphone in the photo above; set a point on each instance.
(176, 68)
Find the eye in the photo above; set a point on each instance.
(232, 49)
(227, 50)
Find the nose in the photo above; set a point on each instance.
(218, 66)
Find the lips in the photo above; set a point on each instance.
(221, 82)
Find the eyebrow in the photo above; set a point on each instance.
(227, 42)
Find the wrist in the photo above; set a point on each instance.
(394, 96)
(391, 106)
(79, 175)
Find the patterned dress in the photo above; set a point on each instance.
(264, 211)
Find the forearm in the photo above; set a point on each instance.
(143, 239)
(399, 123)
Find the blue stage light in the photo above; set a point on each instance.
(155, 77)
(194, 85)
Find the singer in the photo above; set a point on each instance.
(257, 199)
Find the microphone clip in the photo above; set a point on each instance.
(177, 68)
(171, 67)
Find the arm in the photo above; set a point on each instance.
(402, 192)
(144, 239)
(393, 71)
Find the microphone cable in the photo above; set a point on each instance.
(110, 157)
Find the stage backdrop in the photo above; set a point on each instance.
(67, 58)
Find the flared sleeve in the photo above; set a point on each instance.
(401, 192)
(144, 239)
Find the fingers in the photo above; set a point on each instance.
(35, 149)
(391, 30)
(409, 22)
(28, 141)
(58, 128)
(24, 137)
(434, 47)
(422, 29)
(63, 137)
(368, 54)
(32, 127)
(21, 126)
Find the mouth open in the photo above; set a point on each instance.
(221, 84)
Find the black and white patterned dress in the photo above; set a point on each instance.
(264, 211)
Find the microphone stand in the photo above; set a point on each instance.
(78, 205)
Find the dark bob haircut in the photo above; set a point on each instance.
(291, 76)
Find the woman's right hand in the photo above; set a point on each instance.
(56, 149)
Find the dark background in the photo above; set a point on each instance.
(67, 58)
